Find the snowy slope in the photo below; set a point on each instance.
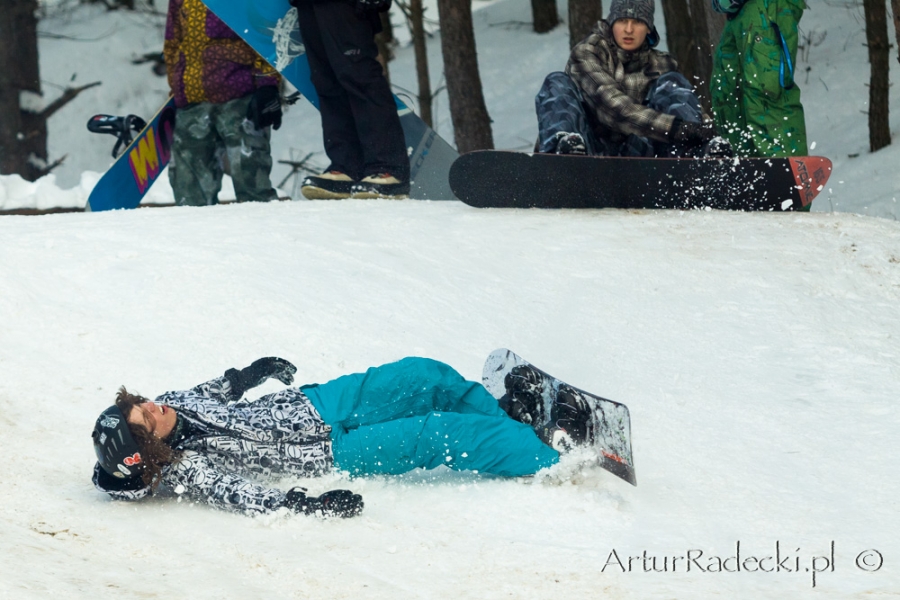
(758, 354)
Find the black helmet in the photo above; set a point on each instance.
(117, 451)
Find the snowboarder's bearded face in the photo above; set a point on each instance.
(158, 419)
(630, 33)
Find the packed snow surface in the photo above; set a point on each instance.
(758, 354)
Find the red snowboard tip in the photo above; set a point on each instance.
(811, 173)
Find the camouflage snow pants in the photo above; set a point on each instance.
(206, 135)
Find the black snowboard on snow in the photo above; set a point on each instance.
(611, 420)
(502, 179)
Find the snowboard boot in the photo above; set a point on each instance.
(573, 413)
(571, 424)
(570, 143)
(330, 185)
(523, 400)
(382, 185)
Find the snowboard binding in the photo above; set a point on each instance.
(573, 413)
(524, 400)
(570, 421)
(121, 127)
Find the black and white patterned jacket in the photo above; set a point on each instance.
(276, 435)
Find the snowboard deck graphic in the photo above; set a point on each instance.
(134, 171)
(270, 27)
(505, 179)
(612, 421)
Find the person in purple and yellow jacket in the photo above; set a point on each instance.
(227, 101)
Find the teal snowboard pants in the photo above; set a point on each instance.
(419, 412)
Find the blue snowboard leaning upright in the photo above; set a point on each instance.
(139, 166)
(270, 27)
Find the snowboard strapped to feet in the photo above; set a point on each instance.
(502, 179)
(556, 407)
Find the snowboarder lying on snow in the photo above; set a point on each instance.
(416, 412)
(620, 97)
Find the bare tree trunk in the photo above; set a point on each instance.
(471, 123)
(680, 36)
(707, 29)
(879, 62)
(417, 18)
(715, 22)
(583, 15)
(384, 40)
(545, 15)
(23, 135)
(895, 8)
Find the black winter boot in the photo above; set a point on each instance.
(330, 185)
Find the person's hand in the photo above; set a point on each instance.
(336, 503)
(265, 107)
(259, 371)
(693, 134)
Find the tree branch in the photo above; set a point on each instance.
(68, 95)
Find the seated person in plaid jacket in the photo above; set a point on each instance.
(620, 97)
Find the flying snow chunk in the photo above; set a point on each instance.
(30, 102)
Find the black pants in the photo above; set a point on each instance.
(362, 130)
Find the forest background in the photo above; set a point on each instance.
(448, 80)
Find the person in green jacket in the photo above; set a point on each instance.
(755, 99)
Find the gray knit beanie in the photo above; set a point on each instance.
(642, 10)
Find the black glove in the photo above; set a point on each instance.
(693, 134)
(265, 107)
(258, 372)
(336, 503)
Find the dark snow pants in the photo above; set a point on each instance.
(560, 107)
(361, 128)
(419, 412)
